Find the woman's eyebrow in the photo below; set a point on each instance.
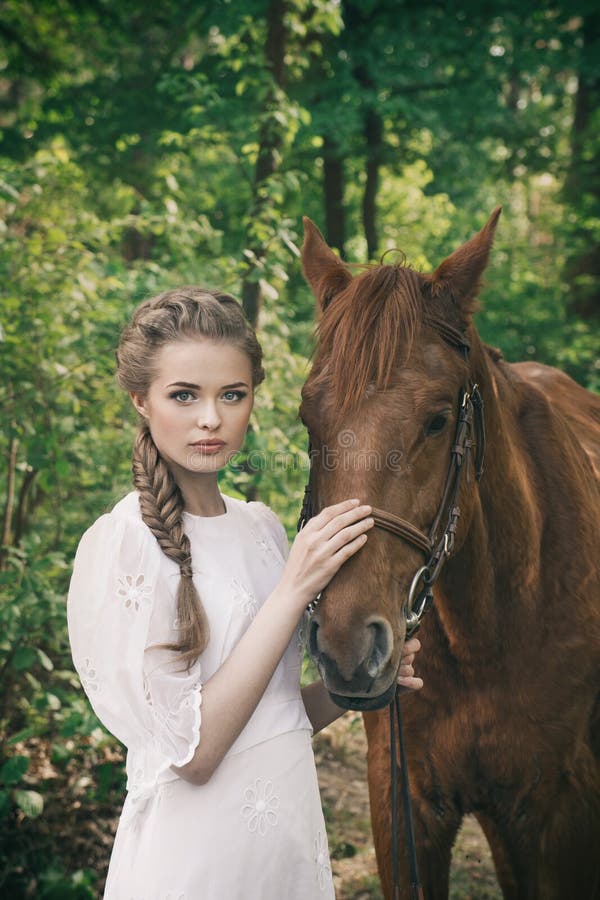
(196, 387)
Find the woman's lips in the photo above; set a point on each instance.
(209, 446)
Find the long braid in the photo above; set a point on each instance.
(161, 505)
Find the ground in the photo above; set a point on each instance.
(340, 752)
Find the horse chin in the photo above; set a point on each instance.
(365, 704)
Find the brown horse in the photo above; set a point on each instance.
(507, 726)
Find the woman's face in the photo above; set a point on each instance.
(199, 403)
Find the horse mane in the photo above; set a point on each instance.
(364, 331)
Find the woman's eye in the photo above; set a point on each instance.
(234, 395)
(437, 424)
(183, 396)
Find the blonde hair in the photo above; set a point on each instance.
(171, 316)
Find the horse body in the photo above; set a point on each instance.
(508, 724)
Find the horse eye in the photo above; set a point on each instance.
(437, 424)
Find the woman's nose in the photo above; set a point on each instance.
(208, 416)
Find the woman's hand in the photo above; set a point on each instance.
(406, 672)
(323, 545)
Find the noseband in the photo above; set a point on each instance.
(437, 545)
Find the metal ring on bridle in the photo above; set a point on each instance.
(419, 576)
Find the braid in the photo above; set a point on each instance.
(161, 505)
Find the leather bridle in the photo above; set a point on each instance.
(437, 546)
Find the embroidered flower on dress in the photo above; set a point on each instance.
(261, 807)
(244, 598)
(89, 677)
(133, 591)
(322, 861)
(262, 544)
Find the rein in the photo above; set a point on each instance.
(437, 546)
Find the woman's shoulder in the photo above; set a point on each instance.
(254, 510)
(264, 518)
(124, 520)
(128, 507)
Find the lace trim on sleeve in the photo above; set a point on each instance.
(173, 742)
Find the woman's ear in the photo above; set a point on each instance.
(139, 402)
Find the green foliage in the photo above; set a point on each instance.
(133, 157)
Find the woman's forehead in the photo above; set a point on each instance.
(202, 360)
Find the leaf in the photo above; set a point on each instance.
(268, 290)
(30, 802)
(45, 660)
(24, 658)
(13, 769)
(23, 734)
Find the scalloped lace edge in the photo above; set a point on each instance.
(138, 791)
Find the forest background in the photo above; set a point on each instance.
(144, 146)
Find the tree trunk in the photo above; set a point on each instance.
(373, 132)
(333, 186)
(358, 20)
(269, 155)
(582, 186)
(10, 499)
(271, 140)
(23, 503)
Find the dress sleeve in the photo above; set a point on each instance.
(115, 584)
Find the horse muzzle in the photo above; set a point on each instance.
(356, 670)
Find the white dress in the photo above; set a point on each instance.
(255, 830)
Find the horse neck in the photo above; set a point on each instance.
(496, 583)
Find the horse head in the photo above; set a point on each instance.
(382, 404)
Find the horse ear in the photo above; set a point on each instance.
(460, 273)
(324, 271)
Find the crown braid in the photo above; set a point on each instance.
(161, 505)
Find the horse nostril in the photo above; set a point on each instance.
(381, 647)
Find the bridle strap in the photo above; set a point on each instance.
(402, 528)
(416, 888)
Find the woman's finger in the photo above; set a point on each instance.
(412, 646)
(330, 512)
(410, 684)
(407, 680)
(343, 520)
(349, 533)
(348, 550)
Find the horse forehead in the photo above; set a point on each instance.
(429, 368)
(435, 359)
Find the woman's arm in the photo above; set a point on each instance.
(232, 694)
(321, 709)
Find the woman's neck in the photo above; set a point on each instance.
(201, 495)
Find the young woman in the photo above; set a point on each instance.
(184, 617)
